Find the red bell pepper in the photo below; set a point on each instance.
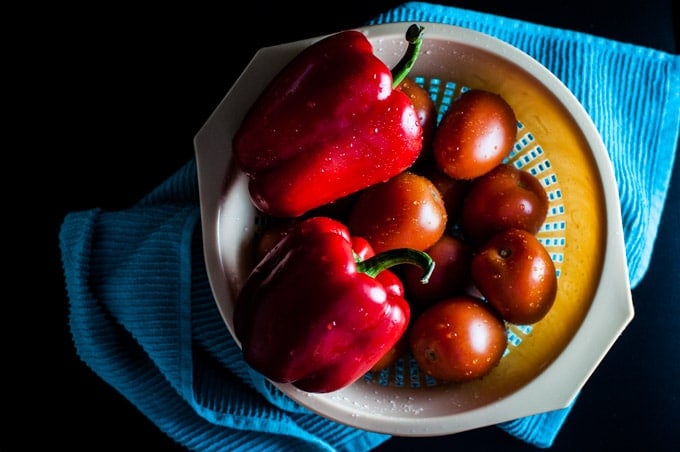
(390, 281)
(329, 124)
(311, 315)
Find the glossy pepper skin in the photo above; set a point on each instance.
(328, 125)
(308, 314)
(390, 281)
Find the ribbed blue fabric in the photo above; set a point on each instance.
(142, 314)
(143, 318)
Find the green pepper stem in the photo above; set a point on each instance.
(382, 261)
(414, 36)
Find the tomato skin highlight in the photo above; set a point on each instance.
(426, 111)
(475, 134)
(458, 339)
(516, 275)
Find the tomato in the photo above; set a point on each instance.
(393, 354)
(425, 109)
(406, 211)
(452, 190)
(504, 198)
(516, 275)
(393, 285)
(458, 339)
(363, 250)
(451, 275)
(475, 134)
(270, 237)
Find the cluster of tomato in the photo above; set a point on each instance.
(476, 217)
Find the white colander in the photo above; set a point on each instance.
(545, 364)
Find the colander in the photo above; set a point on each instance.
(545, 364)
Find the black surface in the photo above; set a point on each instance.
(139, 84)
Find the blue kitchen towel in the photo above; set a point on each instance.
(143, 318)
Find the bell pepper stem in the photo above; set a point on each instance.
(414, 36)
(382, 261)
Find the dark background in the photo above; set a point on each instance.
(131, 88)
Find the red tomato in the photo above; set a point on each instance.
(270, 237)
(458, 339)
(425, 109)
(515, 274)
(397, 351)
(504, 198)
(452, 190)
(451, 275)
(475, 134)
(407, 211)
